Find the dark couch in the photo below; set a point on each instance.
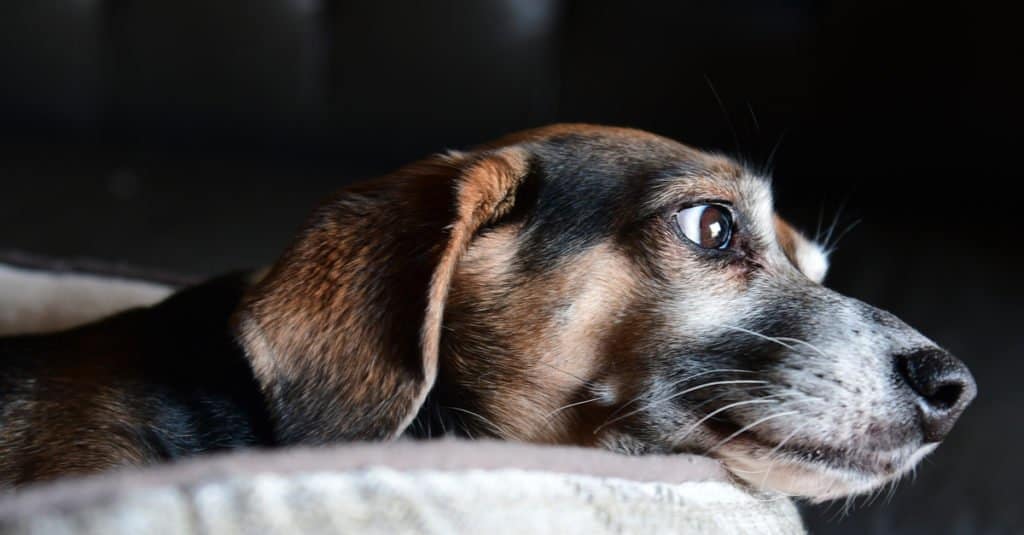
(193, 136)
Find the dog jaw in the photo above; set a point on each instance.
(818, 481)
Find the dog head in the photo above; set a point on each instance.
(594, 286)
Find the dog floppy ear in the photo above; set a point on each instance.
(343, 332)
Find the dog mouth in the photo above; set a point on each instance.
(817, 472)
(804, 468)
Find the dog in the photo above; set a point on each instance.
(572, 284)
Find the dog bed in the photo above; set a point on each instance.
(441, 486)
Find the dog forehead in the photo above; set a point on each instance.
(587, 182)
(581, 171)
(621, 160)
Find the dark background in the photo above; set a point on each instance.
(193, 136)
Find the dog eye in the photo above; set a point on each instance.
(707, 225)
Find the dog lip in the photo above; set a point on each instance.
(877, 463)
(884, 463)
(817, 476)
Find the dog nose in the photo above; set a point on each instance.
(943, 386)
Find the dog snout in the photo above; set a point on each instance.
(941, 385)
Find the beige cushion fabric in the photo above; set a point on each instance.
(35, 301)
(407, 487)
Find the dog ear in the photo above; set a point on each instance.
(805, 254)
(343, 332)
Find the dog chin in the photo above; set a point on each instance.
(819, 481)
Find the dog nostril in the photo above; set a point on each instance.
(942, 386)
(946, 396)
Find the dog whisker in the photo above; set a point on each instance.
(674, 396)
(892, 489)
(750, 426)
(712, 414)
(767, 472)
(849, 504)
(548, 416)
(805, 343)
(701, 374)
(832, 228)
(782, 443)
(835, 245)
(585, 382)
(725, 114)
(741, 471)
(496, 429)
(781, 340)
(873, 496)
(769, 456)
(770, 161)
(673, 385)
(821, 217)
(440, 419)
(734, 391)
(759, 335)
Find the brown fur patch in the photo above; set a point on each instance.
(787, 237)
(545, 339)
(73, 427)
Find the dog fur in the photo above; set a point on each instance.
(533, 289)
